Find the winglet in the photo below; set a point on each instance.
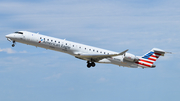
(122, 53)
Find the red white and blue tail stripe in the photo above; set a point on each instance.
(149, 58)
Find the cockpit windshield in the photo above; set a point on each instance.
(19, 32)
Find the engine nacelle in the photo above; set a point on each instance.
(130, 57)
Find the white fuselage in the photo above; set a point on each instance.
(69, 47)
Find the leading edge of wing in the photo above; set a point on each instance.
(88, 56)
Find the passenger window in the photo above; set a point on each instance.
(85, 48)
(40, 37)
(73, 45)
(51, 40)
(89, 49)
(79, 47)
(44, 39)
(59, 42)
(55, 41)
(66, 43)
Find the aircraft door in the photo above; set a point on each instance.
(27, 36)
(24, 37)
(35, 38)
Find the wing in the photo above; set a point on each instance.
(97, 57)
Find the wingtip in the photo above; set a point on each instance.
(126, 50)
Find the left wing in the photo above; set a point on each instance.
(97, 57)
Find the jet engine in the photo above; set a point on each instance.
(130, 57)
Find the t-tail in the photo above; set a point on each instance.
(147, 60)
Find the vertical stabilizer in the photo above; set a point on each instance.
(149, 58)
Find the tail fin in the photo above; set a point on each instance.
(154, 54)
(149, 58)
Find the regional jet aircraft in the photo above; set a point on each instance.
(91, 54)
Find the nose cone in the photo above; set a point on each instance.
(9, 36)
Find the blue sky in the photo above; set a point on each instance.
(28, 73)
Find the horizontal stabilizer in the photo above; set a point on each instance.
(159, 51)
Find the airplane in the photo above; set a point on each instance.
(91, 54)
